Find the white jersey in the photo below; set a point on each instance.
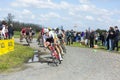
(51, 34)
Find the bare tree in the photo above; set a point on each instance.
(10, 18)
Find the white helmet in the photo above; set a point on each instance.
(46, 30)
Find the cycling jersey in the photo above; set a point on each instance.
(51, 34)
(46, 38)
(23, 30)
(60, 34)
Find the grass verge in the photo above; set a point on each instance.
(77, 44)
(100, 47)
(16, 34)
(16, 58)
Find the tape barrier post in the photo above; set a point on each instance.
(11, 45)
(0, 48)
(6, 46)
(3, 47)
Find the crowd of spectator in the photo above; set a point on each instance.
(109, 39)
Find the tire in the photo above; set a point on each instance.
(56, 61)
(27, 40)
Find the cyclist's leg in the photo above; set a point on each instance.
(63, 47)
(62, 44)
(30, 36)
(60, 48)
(27, 38)
(58, 51)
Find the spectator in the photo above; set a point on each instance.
(82, 36)
(92, 39)
(68, 36)
(107, 40)
(96, 38)
(116, 38)
(111, 38)
(75, 35)
(72, 36)
(79, 37)
(102, 37)
(3, 29)
(10, 31)
(6, 32)
(86, 37)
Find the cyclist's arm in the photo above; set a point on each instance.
(44, 41)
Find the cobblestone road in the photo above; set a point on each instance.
(78, 64)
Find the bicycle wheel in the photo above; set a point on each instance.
(56, 61)
(27, 40)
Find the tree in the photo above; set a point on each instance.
(100, 31)
(19, 25)
(10, 18)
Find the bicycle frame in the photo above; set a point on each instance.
(54, 53)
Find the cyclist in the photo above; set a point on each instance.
(39, 37)
(61, 37)
(49, 39)
(22, 33)
(25, 33)
(31, 33)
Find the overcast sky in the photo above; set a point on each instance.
(69, 13)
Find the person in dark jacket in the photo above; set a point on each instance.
(87, 34)
(68, 37)
(10, 31)
(102, 37)
(107, 40)
(116, 39)
(72, 36)
(111, 38)
(92, 39)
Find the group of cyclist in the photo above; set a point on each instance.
(27, 33)
(54, 38)
(49, 38)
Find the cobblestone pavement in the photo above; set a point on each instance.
(78, 64)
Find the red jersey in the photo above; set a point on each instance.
(23, 30)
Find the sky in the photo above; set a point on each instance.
(71, 14)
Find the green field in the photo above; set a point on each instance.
(16, 34)
(78, 44)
